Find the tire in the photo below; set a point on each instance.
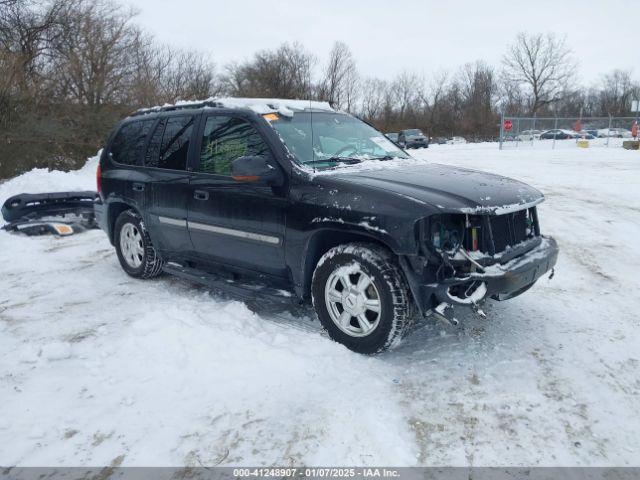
(377, 331)
(134, 248)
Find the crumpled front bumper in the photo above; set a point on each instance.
(500, 281)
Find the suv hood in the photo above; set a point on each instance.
(451, 188)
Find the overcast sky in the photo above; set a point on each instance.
(388, 37)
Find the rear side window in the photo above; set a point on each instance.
(128, 145)
(225, 139)
(152, 155)
(169, 144)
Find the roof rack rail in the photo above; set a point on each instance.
(180, 106)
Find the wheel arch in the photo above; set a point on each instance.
(113, 212)
(323, 240)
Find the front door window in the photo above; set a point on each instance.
(226, 139)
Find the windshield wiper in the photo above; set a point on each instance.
(385, 157)
(347, 160)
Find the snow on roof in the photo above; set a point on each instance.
(261, 106)
(267, 105)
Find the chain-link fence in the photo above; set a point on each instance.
(565, 132)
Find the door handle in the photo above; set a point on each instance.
(200, 195)
(138, 187)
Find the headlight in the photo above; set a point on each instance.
(448, 232)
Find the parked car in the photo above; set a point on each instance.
(413, 138)
(457, 140)
(528, 135)
(392, 136)
(585, 135)
(240, 189)
(614, 133)
(592, 132)
(558, 134)
(440, 140)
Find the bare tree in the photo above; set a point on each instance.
(188, 76)
(150, 64)
(340, 78)
(284, 72)
(617, 90)
(95, 52)
(162, 74)
(542, 63)
(432, 97)
(478, 89)
(511, 99)
(375, 97)
(234, 79)
(408, 90)
(26, 30)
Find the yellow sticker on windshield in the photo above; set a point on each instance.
(271, 117)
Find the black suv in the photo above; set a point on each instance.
(297, 195)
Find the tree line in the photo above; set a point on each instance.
(70, 69)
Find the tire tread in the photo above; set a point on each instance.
(152, 262)
(387, 265)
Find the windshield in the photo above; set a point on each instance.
(413, 132)
(335, 137)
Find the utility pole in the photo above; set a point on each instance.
(501, 127)
(635, 106)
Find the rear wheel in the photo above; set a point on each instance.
(361, 297)
(135, 251)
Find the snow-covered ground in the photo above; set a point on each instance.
(97, 368)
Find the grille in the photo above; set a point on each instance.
(490, 234)
(510, 229)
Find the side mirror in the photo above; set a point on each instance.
(256, 169)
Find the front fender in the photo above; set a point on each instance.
(328, 212)
(364, 228)
(326, 234)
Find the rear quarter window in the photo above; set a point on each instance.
(128, 145)
(169, 145)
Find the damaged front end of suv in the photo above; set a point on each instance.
(468, 257)
(461, 236)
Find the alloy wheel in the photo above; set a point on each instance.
(353, 301)
(131, 245)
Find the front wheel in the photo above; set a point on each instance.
(361, 297)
